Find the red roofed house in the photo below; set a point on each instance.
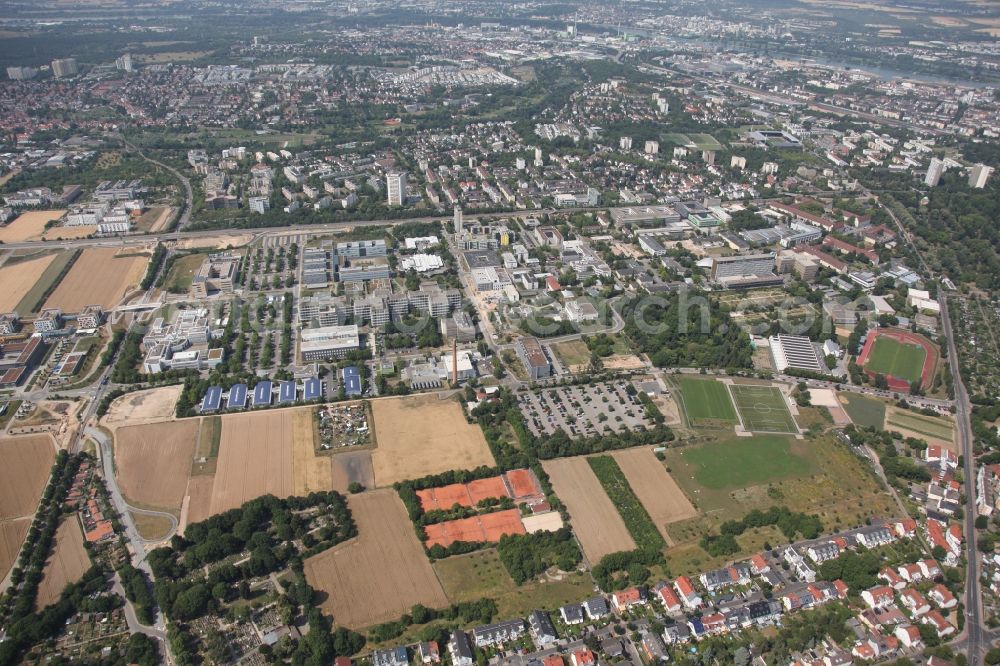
(583, 658)
(908, 635)
(912, 573)
(669, 599)
(941, 626)
(552, 283)
(553, 660)
(906, 528)
(102, 530)
(891, 578)
(841, 588)
(942, 597)
(625, 599)
(879, 596)
(930, 568)
(915, 602)
(759, 565)
(685, 589)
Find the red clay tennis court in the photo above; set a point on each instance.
(486, 528)
(522, 484)
(444, 497)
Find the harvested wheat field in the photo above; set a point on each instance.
(99, 277)
(66, 564)
(197, 504)
(12, 534)
(660, 495)
(419, 436)
(18, 279)
(595, 520)
(70, 233)
(29, 226)
(153, 462)
(25, 463)
(255, 458)
(379, 575)
(149, 406)
(310, 472)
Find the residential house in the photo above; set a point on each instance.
(583, 658)
(498, 633)
(879, 596)
(460, 650)
(942, 597)
(667, 596)
(624, 599)
(915, 602)
(940, 625)
(396, 656)
(572, 613)
(428, 652)
(685, 589)
(823, 552)
(596, 607)
(891, 578)
(872, 537)
(654, 648)
(542, 629)
(909, 636)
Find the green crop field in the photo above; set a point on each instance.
(891, 357)
(633, 514)
(706, 402)
(763, 408)
(745, 461)
(864, 411)
(932, 426)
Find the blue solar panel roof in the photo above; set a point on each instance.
(312, 389)
(352, 380)
(213, 399)
(286, 392)
(237, 396)
(262, 393)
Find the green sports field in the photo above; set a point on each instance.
(864, 411)
(892, 357)
(745, 461)
(706, 402)
(763, 408)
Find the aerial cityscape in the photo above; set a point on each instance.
(500, 334)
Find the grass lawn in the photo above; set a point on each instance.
(573, 352)
(481, 574)
(706, 402)
(864, 411)
(931, 426)
(891, 357)
(745, 461)
(763, 408)
(182, 271)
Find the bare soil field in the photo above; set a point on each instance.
(12, 533)
(255, 458)
(347, 468)
(310, 472)
(418, 436)
(379, 575)
(67, 563)
(153, 462)
(28, 226)
(99, 277)
(623, 362)
(214, 242)
(69, 233)
(25, 463)
(660, 495)
(18, 279)
(149, 406)
(594, 518)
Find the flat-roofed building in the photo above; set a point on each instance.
(317, 344)
(533, 356)
(10, 323)
(797, 352)
(217, 274)
(90, 317)
(742, 265)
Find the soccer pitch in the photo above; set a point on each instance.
(897, 359)
(706, 402)
(762, 408)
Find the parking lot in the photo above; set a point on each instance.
(583, 410)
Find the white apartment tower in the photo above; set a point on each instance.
(395, 182)
(934, 171)
(979, 175)
(458, 220)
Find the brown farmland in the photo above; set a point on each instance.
(662, 498)
(25, 463)
(424, 435)
(98, 277)
(154, 461)
(255, 458)
(351, 467)
(18, 279)
(379, 575)
(12, 534)
(595, 519)
(67, 563)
